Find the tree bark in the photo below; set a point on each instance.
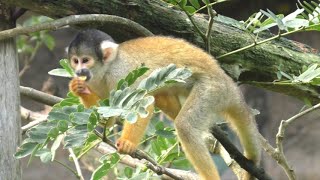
(256, 64)
(10, 122)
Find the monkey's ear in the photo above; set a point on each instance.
(109, 50)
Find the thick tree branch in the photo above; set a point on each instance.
(259, 63)
(39, 96)
(237, 155)
(76, 20)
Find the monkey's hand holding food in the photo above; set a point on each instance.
(78, 86)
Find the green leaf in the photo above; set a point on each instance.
(109, 161)
(45, 155)
(195, 3)
(53, 133)
(90, 143)
(159, 77)
(93, 120)
(49, 41)
(132, 77)
(165, 133)
(297, 23)
(76, 136)
(183, 3)
(131, 117)
(56, 115)
(275, 18)
(80, 118)
(60, 72)
(190, 9)
(25, 149)
(66, 65)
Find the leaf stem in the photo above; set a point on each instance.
(267, 40)
(68, 167)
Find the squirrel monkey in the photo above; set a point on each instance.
(208, 92)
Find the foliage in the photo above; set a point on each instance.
(193, 6)
(71, 125)
(310, 75)
(305, 18)
(28, 44)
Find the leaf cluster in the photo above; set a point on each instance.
(306, 18)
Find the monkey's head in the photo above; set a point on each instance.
(90, 52)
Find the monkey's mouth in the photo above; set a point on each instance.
(84, 73)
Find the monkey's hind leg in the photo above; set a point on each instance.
(192, 124)
(243, 122)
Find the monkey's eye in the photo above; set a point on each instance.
(85, 60)
(75, 60)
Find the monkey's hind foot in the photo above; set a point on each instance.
(125, 146)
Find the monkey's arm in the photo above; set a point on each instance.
(133, 133)
(80, 89)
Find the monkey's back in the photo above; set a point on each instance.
(159, 51)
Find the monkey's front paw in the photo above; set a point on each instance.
(125, 146)
(78, 86)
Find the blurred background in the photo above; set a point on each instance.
(301, 142)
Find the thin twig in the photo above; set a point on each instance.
(280, 136)
(76, 20)
(265, 41)
(278, 153)
(212, 14)
(35, 118)
(76, 163)
(66, 166)
(152, 164)
(195, 26)
(29, 60)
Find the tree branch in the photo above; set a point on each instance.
(35, 118)
(76, 20)
(235, 154)
(39, 96)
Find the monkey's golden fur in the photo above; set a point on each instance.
(208, 92)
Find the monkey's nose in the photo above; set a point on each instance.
(84, 72)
